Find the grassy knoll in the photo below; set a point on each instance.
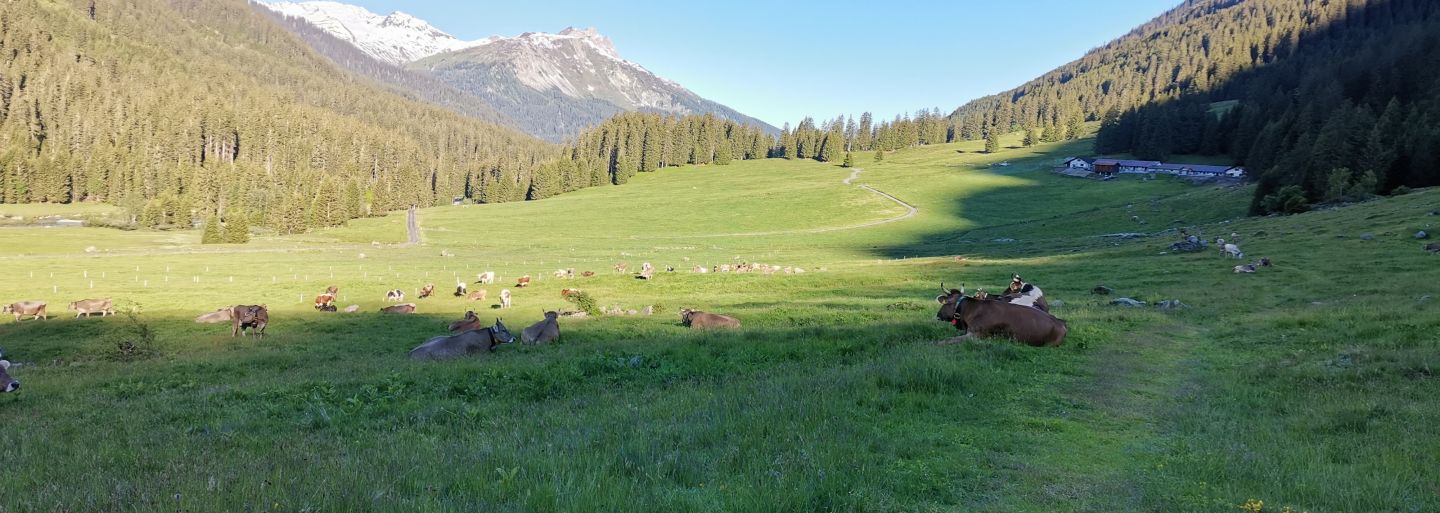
(1309, 384)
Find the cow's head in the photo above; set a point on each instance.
(72, 305)
(7, 384)
(501, 333)
(685, 314)
(8, 309)
(950, 305)
(552, 315)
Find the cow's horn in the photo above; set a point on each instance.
(943, 290)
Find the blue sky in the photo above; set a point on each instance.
(782, 60)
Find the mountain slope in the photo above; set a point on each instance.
(190, 108)
(551, 85)
(397, 38)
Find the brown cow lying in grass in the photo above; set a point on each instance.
(470, 322)
(480, 341)
(407, 308)
(214, 317)
(698, 319)
(987, 317)
(542, 332)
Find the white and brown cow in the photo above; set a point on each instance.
(987, 317)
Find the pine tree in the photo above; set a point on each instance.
(723, 154)
(237, 228)
(849, 160)
(1029, 139)
(879, 155)
(992, 140)
(212, 231)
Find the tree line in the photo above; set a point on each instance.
(1344, 102)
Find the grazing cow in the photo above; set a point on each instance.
(504, 298)
(587, 274)
(470, 322)
(352, 308)
(478, 341)
(407, 308)
(569, 292)
(523, 282)
(485, 278)
(88, 306)
(542, 332)
(251, 317)
(7, 384)
(478, 295)
(984, 317)
(323, 301)
(699, 269)
(427, 290)
(645, 274)
(35, 309)
(620, 267)
(1231, 251)
(697, 319)
(395, 295)
(218, 316)
(1433, 247)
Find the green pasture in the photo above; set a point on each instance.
(1309, 384)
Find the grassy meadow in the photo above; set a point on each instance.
(1309, 384)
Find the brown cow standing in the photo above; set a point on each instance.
(35, 309)
(524, 281)
(697, 319)
(984, 317)
(544, 331)
(7, 384)
(427, 290)
(407, 308)
(85, 307)
(252, 317)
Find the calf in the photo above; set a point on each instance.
(984, 317)
(1231, 251)
(523, 282)
(407, 308)
(88, 306)
(542, 332)
(7, 384)
(427, 290)
(697, 319)
(504, 298)
(588, 274)
(251, 317)
(34, 309)
(478, 295)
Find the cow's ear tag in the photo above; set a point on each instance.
(4, 364)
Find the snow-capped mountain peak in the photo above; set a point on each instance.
(396, 38)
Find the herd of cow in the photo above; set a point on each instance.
(1021, 312)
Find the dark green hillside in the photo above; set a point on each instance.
(185, 108)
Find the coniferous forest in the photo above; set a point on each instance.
(1321, 101)
(184, 109)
